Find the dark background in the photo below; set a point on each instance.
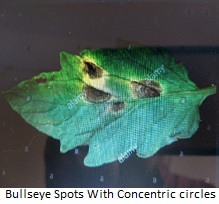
(31, 38)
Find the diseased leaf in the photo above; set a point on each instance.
(116, 101)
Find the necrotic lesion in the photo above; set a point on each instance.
(146, 89)
(117, 106)
(93, 95)
(93, 70)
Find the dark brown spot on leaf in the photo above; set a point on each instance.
(117, 106)
(93, 70)
(41, 80)
(94, 95)
(146, 88)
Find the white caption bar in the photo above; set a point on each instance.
(108, 195)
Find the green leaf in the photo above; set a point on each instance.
(116, 101)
